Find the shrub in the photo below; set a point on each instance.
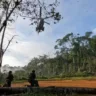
(43, 77)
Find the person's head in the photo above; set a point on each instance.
(10, 72)
(33, 71)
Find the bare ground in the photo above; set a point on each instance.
(62, 83)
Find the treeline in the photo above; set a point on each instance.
(75, 56)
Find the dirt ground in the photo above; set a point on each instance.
(62, 83)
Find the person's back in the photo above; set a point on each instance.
(32, 78)
(33, 75)
(9, 79)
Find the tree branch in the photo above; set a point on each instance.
(0, 1)
(5, 21)
(2, 38)
(9, 43)
(5, 25)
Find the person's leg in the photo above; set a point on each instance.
(9, 84)
(36, 83)
(32, 83)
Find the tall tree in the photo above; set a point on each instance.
(37, 11)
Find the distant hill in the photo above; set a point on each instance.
(6, 68)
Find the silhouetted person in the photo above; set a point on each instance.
(32, 79)
(9, 79)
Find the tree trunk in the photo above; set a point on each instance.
(1, 57)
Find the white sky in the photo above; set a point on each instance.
(19, 54)
(30, 43)
(79, 17)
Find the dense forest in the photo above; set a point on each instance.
(75, 56)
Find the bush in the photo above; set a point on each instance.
(2, 77)
(81, 74)
(43, 77)
(77, 74)
(67, 75)
(23, 78)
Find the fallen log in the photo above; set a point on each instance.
(63, 90)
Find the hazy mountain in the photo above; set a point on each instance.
(6, 68)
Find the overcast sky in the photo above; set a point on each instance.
(79, 16)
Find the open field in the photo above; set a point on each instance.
(62, 83)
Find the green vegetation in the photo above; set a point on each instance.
(75, 57)
(51, 94)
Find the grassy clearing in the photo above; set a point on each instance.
(70, 78)
(90, 78)
(80, 78)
